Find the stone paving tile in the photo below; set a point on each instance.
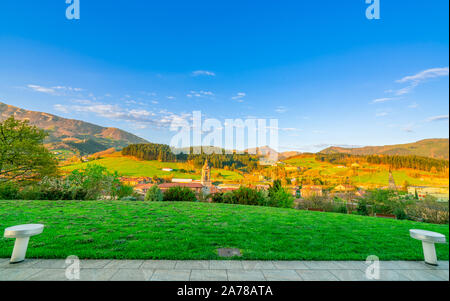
(94, 263)
(258, 265)
(124, 264)
(51, 264)
(420, 275)
(17, 274)
(281, 275)
(351, 265)
(391, 275)
(413, 265)
(192, 264)
(171, 275)
(209, 275)
(132, 275)
(49, 274)
(349, 275)
(3, 259)
(245, 275)
(27, 263)
(321, 265)
(98, 274)
(316, 275)
(441, 274)
(225, 265)
(159, 264)
(389, 265)
(290, 265)
(442, 265)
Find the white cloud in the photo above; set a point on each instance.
(41, 89)
(413, 106)
(203, 72)
(200, 94)
(239, 96)
(438, 118)
(381, 114)
(281, 109)
(426, 74)
(138, 118)
(56, 90)
(378, 100)
(416, 79)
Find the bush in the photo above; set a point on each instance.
(362, 208)
(341, 209)
(429, 210)
(179, 194)
(248, 196)
(31, 192)
(400, 213)
(154, 194)
(281, 198)
(9, 191)
(217, 197)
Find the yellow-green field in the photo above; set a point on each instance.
(367, 174)
(127, 166)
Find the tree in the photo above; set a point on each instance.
(23, 156)
(154, 194)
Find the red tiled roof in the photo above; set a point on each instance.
(188, 185)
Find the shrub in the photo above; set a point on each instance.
(217, 197)
(154, 194)
(179, 194)
(248, 196)
(9, 191)
(341, 209)
(429, 210)
(281, 198)
(362, 208)
(400, 213)
(30, 192)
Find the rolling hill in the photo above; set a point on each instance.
(433, 148)
(70, 134)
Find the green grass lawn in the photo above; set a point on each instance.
(126, 166)
(144, 230)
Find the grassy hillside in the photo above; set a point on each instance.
(71, 134)
(367, 174)
(128, 166)
(433, 148)
(161, 230)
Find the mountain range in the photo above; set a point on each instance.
(86, 138)
(433, 148)
(78, 136)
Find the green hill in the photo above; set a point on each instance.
(433, 148)
(70, 134)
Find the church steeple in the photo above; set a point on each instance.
(206, 174)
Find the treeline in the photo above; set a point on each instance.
(151, 151)
(232, 161)
(415, 162)
(163, 153)
(394, 162)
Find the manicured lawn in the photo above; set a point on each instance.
(118, 229)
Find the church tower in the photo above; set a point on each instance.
(206, 174)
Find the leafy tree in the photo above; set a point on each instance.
(154, 194)
(23, 157)
(179, 194)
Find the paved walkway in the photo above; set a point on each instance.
(212, 270)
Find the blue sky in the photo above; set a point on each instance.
(326, 72)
